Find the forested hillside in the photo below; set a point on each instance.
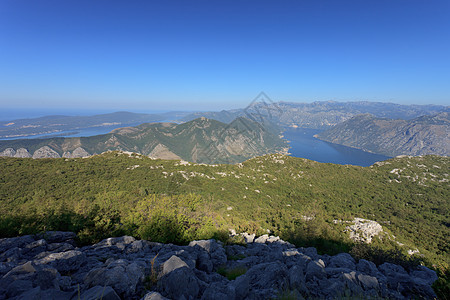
(201, 140)
(302, 201)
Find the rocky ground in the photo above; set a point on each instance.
(51, 266)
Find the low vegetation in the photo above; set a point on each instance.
(305, 202)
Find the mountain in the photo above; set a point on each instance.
(200, 140)
(316, 115)
(320, 114)
(423, 135)
(401, 206)
(55, 124)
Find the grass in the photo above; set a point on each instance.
(231, 273)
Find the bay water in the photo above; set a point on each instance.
(304, 144)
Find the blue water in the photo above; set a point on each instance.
(10, 114)
(304, 144)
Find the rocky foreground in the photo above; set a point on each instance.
(51, 266)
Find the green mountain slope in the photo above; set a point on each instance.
(419, 136)
(303, 201)
(200, 140)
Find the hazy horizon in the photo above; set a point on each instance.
(14, 113)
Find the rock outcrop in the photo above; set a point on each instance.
(45, 152)
(50, 266)
(364, 230)
(20, 153)
(78, 152)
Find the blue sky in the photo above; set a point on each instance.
(169, 55)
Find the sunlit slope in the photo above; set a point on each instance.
(408, 196)
(201, 140)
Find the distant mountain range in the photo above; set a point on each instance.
(319, 115)
(57, 123)
(405, 129)
(316, 115)
(428, 134)
(201, 140)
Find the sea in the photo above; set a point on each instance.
(304, 144)
(301, 140)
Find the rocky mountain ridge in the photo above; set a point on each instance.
(319, 114)
(51, 265)
(201, 140)
(419, 136)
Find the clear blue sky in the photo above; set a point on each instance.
(136, 54)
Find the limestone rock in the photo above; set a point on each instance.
(64, 262)
(33, 267)
(214, 250)
(100, 292)
(178, 280)
(9, 152)
(78, 152)
(22, 153)
(45, 152)
(121, 275)
(154, 296)
(364, 230)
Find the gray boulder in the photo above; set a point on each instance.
(154, 296)
(58, 237)
(391, 270)
(15, 242)
(121, 275)
(351, 283)
(38, 293)
(425, 274)
(272, 276)
(215, 253)
(368, 282)
(17, 287)
(249, 238)
(177, 280)
(315, 270)
(64, 262)
(342, 260)
(262, 239)
(100, 292)
(297, 279)
(241, 286)
(31, 267)
(219, 290)
(367, 267)
(173, 263)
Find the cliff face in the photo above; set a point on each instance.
(201, 140)
(419, 136)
